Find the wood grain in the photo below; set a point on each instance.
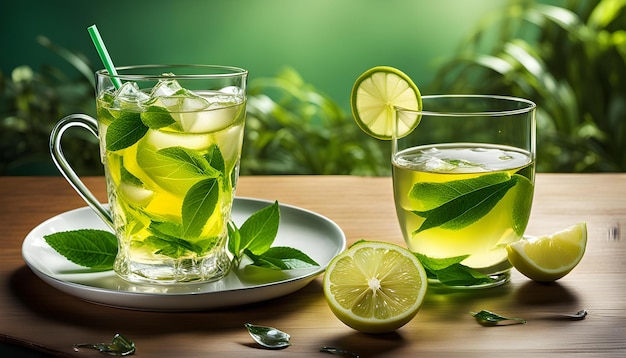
(363, 208)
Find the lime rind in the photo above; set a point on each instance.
(375, 96)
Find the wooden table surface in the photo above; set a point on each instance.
(363, 207)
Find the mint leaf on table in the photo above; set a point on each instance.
(86, 247)
(450, 272)
(488, 318)
(456, 204)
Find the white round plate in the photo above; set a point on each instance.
(315, 235)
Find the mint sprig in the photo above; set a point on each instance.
(96, 249)
(254, 240)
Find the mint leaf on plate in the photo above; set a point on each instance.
(86, 247)
(282, 258)
(258, 232)
(255, 238)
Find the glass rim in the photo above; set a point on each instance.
(530, 106)
(226, 72)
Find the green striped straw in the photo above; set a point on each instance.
(104, 54)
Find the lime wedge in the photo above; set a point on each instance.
(376, 94)
(550, 257)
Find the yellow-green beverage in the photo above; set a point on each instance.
(463, 199)
(170, 141)
(171, 159)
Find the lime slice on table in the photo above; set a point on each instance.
(375, 95)
(375, 287)
(548, 258)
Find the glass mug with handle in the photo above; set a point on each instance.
(463, 180)
(170, 141)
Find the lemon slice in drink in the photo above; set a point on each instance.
(548, 258)
(375, 95)
(375, 287)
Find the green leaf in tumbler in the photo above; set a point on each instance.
(128, 177)
(175, 169)
(125, 131)
(198, 205)
(156, 117)
(215, 158)
(523, 202)
(449, 271)
(457, 204)
(188, 160)
(86, 247)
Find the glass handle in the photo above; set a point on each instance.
(90, 124)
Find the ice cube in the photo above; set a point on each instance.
(129, 96)
(233, 91)
(166, 88)
(215, 118)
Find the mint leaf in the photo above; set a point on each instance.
(125, 131)
(128, 177)
(460, 203)
(523, 201)
(215, 158)
(436, 264)
(86, 247)
(175, 169)
(282, 258)
(234, 241)
(259, 230)
(255, 238)
(461, 275)
(488, 318)
(170, 233)
(198, 206)
(188, 160)
(156, 117)
(450, 272)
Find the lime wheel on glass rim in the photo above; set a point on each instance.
(376, 94)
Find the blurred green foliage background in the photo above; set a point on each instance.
(303, 56)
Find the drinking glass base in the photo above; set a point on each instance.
(185, 271)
